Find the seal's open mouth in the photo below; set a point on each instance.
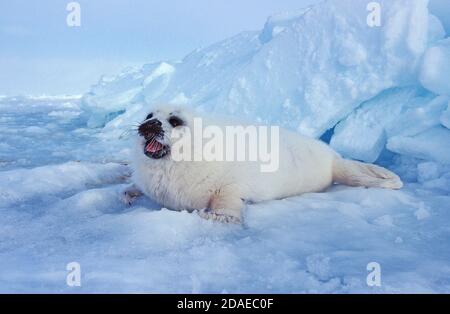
(155, 149)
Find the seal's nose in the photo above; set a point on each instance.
(154, 121)
(150, 128)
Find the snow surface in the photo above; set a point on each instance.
(373, 92)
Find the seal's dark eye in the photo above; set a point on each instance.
(175, 121)
(150, 115)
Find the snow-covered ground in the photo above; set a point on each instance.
(376, 94)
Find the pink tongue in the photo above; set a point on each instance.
(153, 147)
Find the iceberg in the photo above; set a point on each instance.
(435, 69)
(445, 117)
(305, 70)
(362, 135)
(405, 111)
(432, 144)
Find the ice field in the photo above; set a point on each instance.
(376, 94)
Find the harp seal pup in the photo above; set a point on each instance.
(218, 190)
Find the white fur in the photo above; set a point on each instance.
(306, 165)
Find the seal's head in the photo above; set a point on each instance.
(156, 129)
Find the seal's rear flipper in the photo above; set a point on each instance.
(354, 173)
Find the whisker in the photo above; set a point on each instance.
(124, 134)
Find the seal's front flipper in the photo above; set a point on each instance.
(130, 194)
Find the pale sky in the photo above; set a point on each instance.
(40, 54)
